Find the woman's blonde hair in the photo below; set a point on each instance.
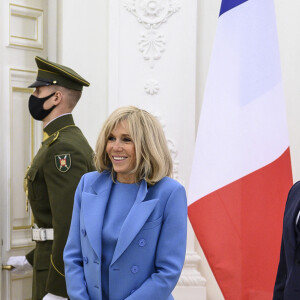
(153, 159)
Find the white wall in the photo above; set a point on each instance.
(288, 23)
(83, 45)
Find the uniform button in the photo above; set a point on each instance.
(134, 269)
(83, 231)
(102, 259)
(85, 259)
(132, 292)
(298, 261)
(142, 242)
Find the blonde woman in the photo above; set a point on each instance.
(128, 233)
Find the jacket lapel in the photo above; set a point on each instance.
(135, 220)
(93, 210)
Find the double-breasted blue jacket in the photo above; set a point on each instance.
(287, 285)
(150, 250)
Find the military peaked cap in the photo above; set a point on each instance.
(50, 73)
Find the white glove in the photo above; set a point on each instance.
(53, 297)
(20, 263)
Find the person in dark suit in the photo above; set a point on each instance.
(127, 237)
(287, 284)
(53, 175)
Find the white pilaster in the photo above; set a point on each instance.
(152, 65)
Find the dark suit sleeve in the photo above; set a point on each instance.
(61, 189)
(280, 282)
(281, 276)
(170, 251)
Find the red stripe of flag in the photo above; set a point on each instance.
(236, 225)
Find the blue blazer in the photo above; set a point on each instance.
(150, 250)
(287, 285)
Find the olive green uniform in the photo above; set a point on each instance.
(52, 178)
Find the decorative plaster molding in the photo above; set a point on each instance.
(152, 45)
(151, 14)
(25, 26)
(190, 275)
(174, 153)
(18, 285)
(151, 87)
(172, 148)
(22, 78)
(21, 221)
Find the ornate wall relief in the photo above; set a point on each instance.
(190, 276)
(172, 148)
(151, 87)
(152, 14)
(152, 45)
(174, 153)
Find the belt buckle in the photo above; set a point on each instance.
(43, 234)
(39, 234)
(35, 234)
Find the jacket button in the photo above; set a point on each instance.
(83, 231)
(298, 261)
(85, 259)
(142, 242)
(134, 269)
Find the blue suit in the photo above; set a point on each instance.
(150, 251)
(287, 285)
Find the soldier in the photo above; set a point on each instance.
(52, 178)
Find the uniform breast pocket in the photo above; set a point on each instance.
(30, 182)
(152, 224)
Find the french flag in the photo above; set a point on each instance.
(241, 171)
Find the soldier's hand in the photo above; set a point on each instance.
(20, 264)
(53, 297)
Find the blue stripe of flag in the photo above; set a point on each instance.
(229, 4)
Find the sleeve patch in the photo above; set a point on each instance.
(63, 162)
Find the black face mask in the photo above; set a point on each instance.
(36, 109)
